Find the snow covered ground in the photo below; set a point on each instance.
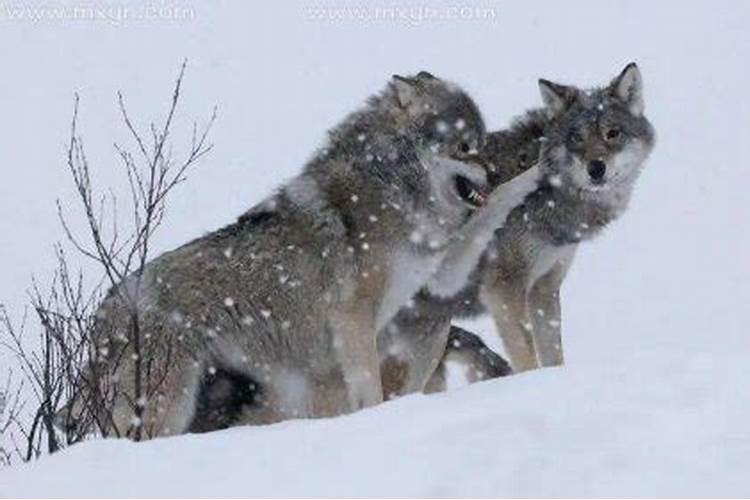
(571, 432)
(654, 399)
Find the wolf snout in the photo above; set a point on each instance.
(597, 169)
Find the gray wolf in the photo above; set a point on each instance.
(591, 146)
(594, 146)
(287, 301)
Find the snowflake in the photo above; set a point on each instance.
(555, 180)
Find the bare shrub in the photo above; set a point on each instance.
(67, 364)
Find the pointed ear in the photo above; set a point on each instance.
(406, 90)
(426, 75)
(628, 87)
(556, 97)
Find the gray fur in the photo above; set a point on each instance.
(412, 346)
(519, 277)
(527, 263)
(289, 298)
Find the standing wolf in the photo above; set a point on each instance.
(286, 302)
(595, 144)
(591, 146)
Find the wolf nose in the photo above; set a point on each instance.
(597, 169)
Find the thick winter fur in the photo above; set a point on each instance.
(287, 301)
(518, 280)
(413, 346)
(595, 144)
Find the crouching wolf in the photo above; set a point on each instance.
(590, 147)
(286, 302)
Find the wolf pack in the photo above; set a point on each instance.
(339, 291)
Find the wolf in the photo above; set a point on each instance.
(591, 146)
(286, 302)
(594, 147)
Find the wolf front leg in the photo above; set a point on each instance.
(355, 343)
(470, 243)
(544, 305)
(411, 346)
(507, 303)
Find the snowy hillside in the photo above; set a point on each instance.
(655, 396)
(570, 432)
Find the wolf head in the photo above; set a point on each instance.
(413, 146)
(597, 140)
(446, 127)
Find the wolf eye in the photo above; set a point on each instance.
(576, 137)
(613, 133)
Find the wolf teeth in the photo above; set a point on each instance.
(475, 196)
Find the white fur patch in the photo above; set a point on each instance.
(548, 256)
(469, 244)
(292, 389)
(408, 273)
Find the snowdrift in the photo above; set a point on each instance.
(558, 432)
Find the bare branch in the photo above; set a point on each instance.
(70, 364)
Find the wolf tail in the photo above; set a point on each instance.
(469, 351)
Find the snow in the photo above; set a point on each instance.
(569, 432)
(653, 399)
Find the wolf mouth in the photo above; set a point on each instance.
(469, 192)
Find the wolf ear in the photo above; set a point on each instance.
(426, 75)
(628, 87)
(406, 90)
(556, 97)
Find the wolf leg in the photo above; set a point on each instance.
(438, 381)
(508, 305)
(544, 306)
(355, 342)
(411, 347)
(473, 238)
(544, 301)
(168, 402)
